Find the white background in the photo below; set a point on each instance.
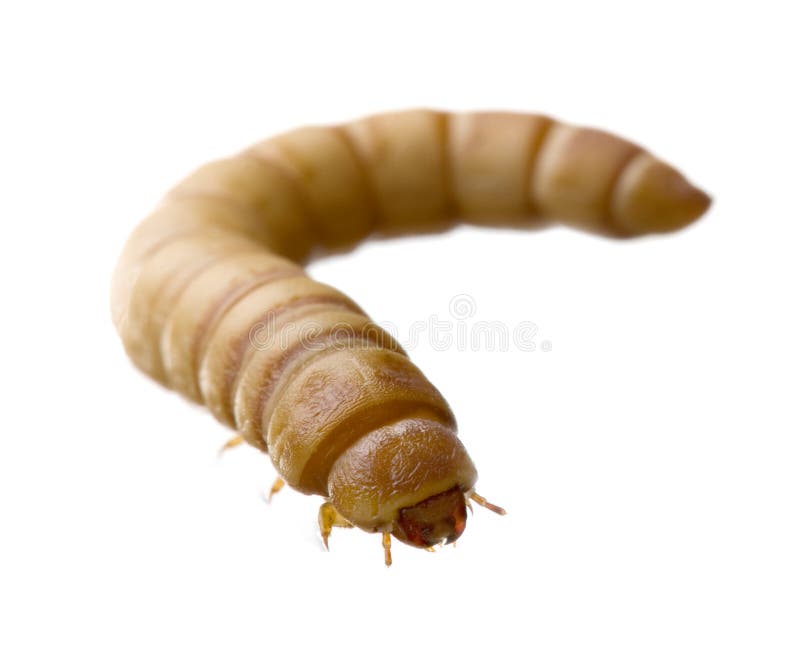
(649, 461)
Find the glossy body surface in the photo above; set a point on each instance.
(211, 300)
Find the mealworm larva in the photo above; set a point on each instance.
(348, 416)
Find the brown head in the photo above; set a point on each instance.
(439, 518)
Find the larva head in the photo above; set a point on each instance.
(409, 478)
(439, 518)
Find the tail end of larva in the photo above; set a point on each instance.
(653, 197)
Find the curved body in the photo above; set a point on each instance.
(210, 298)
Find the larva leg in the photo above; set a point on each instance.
(276, 486)
(328, 518)
(482, 502)
(387, 548)
(234, 441)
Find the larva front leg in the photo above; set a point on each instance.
(211, 299)
(327, 518)
(387, 548)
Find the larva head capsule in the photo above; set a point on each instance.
(409, 479)
(439, 518)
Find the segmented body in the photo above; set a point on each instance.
(210, 297)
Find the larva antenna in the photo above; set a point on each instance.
(481, 501)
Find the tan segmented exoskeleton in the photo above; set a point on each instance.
(345, 414)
